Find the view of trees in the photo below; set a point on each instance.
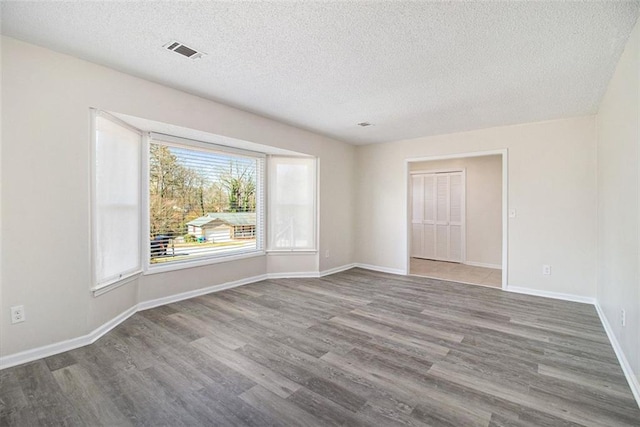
(180, 192)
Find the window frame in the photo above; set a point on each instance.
(261, 205)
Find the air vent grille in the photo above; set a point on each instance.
(183, 50)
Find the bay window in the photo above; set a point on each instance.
(161, 202)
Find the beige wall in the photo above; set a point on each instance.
(45, 180)
(552, 184)
(483, 204)
(619, 196)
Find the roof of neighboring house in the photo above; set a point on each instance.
(203, 220)
(230, 218)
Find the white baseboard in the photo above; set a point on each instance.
(310, 274)
(632, 379)
(554, 295)
(624, 363)
(483, 264)
(73, 343)
(381, 269)
(198, 292)
(109, 325)
(66, 345)
(335, 270)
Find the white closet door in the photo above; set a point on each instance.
(438, 216)
(442, 216)
(429, 217)
(417, 226)
(456, 199)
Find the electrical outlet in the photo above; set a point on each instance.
(326, 253)
(623, 317)
(546, 270)
(17, 314)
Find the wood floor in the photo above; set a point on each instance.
(456, 272)
(354, 348)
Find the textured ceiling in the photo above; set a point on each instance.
(410, 68)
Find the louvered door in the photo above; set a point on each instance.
(437, 222)
(417, 216)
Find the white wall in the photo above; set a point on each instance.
(483, 204)
(618, 197)
(552, 184)
(45, 181)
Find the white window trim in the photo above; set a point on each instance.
(127, 276)
(109, 286)
(175, 141)
(201, 262)
(145, 249)
(316, 206)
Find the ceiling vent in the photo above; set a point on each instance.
(183, 50)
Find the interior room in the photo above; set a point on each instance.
(207, 213)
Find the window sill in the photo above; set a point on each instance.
(107, 287)
(292, 251)
(181, 265)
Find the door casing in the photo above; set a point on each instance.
(505, 205)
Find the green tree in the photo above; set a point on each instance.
(239, 183)
(179, 193)
(173, 191)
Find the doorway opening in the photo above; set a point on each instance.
(457, 218)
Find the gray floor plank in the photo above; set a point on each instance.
(93, 406)
(256, 372)
(357, 348)
(290, 413)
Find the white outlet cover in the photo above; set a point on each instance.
(512, 213)
(17, 314)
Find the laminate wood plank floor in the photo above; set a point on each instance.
(357, 348)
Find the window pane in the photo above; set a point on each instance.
(201, 203)
(117, 200)
(292, 197)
